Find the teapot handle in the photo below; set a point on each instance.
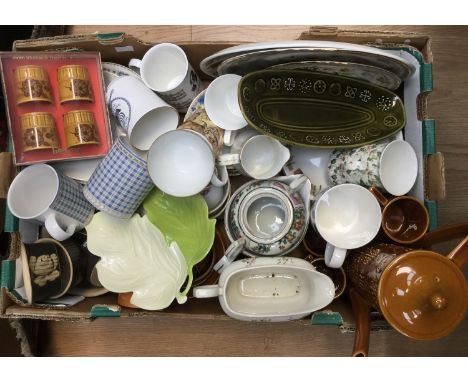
(459, 255)
(362, 315)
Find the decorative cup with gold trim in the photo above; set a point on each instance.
(32, 84)
(38, 131)
(80, 128)
(74, 83)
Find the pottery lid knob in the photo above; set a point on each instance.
(438, 301)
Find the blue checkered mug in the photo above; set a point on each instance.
(121, 181)
(42, 194)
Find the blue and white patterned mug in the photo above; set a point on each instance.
(42, 194)
(121, 181)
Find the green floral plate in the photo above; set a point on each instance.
(319, 110)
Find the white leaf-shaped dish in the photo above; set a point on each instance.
(135, 258)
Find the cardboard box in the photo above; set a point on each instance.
(420, 131)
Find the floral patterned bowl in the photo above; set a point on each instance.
(268, 216)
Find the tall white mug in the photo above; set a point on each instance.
(141, 113)
(165, 69)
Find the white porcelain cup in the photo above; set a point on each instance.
(215, 196)
(222, 105)
(255, 155)
(181, 163)
(42, 194)
(390, 166)
(141, 113)
(347, 216)
(166, 70)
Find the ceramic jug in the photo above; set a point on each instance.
(421, 293)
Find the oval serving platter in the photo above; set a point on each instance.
(319, 110)
(372, 74)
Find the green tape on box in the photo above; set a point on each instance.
(110, 36)
(104, 311)
(429, 137)
(425, 75)
(326, 318)
(431, 206)
(7, 279)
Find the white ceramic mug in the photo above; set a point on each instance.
(141, 113)
(181, 163)
(165, 69)
(42, 194)
(255, 155)
(390, 166)
(347, 216)
(222, 105)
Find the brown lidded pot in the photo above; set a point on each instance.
(421, 294)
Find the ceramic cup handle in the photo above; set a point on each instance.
(220, 178)
(229, 137)
(56, 231)
(379, 196)
(228, 159)
(334, 256)
(207, 291)
(135, 64)
(297, 183)
(231, 254)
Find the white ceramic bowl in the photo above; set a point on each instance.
(180, 163)
(221, 102)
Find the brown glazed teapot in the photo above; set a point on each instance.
(421, 294)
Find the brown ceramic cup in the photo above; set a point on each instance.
(404, 218)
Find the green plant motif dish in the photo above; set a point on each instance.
(185, 221)
(319, 110)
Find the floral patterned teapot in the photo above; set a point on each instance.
(266, 218)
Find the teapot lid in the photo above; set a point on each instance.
(423, 295)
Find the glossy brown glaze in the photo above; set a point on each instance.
(404, 218)
(421, 294)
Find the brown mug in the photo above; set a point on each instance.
(404, 218)
(421, 293)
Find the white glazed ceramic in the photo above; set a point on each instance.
(112, 71)
(254, 155)
(135, 258)
(326, 50)
(216, 196)
(270, 289)
(140, 112)
(80, 170)
(347, 216)
(392, 166)
(39, 193)
(166, 70)
(265, 218)
(222, 105)
(181, 163)
(313, 163)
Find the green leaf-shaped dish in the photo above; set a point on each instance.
(319, 110)
(185, 221)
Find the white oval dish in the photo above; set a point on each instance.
(270, 289)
